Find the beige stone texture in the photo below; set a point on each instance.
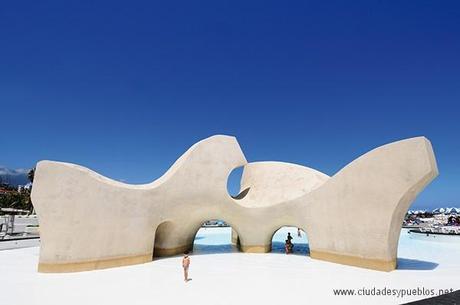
(88, 221)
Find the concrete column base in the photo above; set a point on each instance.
(160, 252)
(375, 264)
(93, 265)
(256, 249)
(234, 237)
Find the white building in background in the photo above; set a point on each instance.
(28, 187)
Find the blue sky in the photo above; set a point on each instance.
(126, 87)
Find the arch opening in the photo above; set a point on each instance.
(299, 241)
(164, 233)
(234, 184)
(215, 236)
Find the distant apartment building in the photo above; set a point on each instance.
(27, 187)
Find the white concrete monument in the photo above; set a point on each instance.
(88, 221)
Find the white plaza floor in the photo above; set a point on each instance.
(220, 276)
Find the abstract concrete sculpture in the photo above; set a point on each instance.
(88, 221)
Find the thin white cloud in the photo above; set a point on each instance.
(13, 172)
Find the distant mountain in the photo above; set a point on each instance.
(13, 177)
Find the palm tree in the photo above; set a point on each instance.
(31, 175)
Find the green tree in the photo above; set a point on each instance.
(31, 175)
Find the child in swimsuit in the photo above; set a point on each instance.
(186, 265)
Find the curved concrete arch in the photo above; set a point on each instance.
(376, 189)
(286, 225)
(235, 233)
(165, 232)
(271, 183)
(271, 188)
(90, 222)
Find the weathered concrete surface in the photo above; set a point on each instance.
(354, 217)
